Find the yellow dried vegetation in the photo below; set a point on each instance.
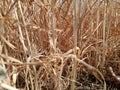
(60, 44)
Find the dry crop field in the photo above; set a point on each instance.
(60, 44)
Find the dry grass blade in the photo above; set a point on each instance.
(94, 71)
(7, 42)
(75, 28)
(20, 29)
(53, 2)
(5, 86)
(26, 31)
(10, 58)
(114, 75)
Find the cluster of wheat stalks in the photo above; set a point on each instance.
(47, 44)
